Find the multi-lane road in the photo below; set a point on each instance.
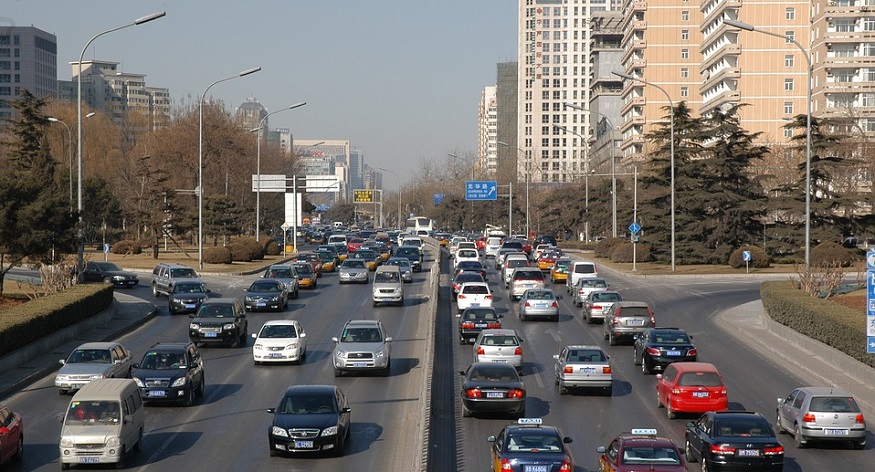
(227, 429)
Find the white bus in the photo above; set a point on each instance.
(417, 224)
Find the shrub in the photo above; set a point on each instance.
(217, 255)
(126, 247)
(239, 252)
(831, 254)
(624, 252)
(758, 257)
(272, 248)
(604, 247)
(256, 250)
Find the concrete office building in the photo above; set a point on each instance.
(506, 121)
(605, 101)
(28, 61)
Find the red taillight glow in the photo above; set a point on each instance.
(692, 352)
(467, 325)
(722, 449)
(518, 351)
(473, 393)
(480, 351)
(808, 418)
(505, 464)
(461, 296)
(859, 419)
(555, 305)
(653, 351)
(773, 450)
(516, 393)
(568, 370)
(493, 325)
(606, 370)
(566, 466)
(527, 305)
(488, 297)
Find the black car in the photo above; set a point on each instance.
(545, 239)
(527, 446)
(656, 348)
(109, 273)
(266, 294)
(219, 321)
(491, 387)
(310, 418)
(464, 277)
(476, 319)
(413, 254)
(733, 440)
(170, 372)
(186, 296)
(471, 266)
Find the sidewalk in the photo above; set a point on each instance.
(40, 358)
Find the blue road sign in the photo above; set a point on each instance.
(438, 198)
(745, 256)
(481, 190)
(870, 260)
(870, 345)
(634, 228)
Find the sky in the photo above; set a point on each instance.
(401, 79)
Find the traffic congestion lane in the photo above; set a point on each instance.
(593, 420)
(227, 429)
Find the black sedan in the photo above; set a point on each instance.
(310, 418)
(465, 277)
(266, 294)
(186, 296)
(656, 348)
(733, 440)
(110, 273)
(529, 446)
(476, 319)
(471, 266)
(492, 388)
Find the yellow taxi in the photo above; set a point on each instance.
(370, 257)
(443, 239)
(329, 260)
(306, 275)
(559, 272)
(547, 259)
(342, 253)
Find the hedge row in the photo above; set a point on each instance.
(838, 326)
(27, 322)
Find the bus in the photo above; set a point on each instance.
(417, 224)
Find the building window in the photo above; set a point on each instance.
(790, 14)
(869, 23)
(685, 35)
(867, 75)
(685, 53)
(685, 72)
(788, 61)
(685, 15)
(867, 99)
(788, 133)
(844, 25)
(788, 85)
(790, 35)
(843, 75)
(868, 49)
(788, 108)
(685, 91)
(544, 131)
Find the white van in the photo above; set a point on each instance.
(337, 239)
(580, 270)
(103, 423)
(388, 286)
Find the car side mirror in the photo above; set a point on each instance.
(128, 419)
(254, 335)
(600, 449)
(345, 409)
(209, 291)
(191, 315)
(658, 376)
(302, 335)
(459, 315)
(461, 372)
(334, 339)
(135, 365)
(780, 401)
(691, 425)
(61, 361)
(389, 339)
(567, 440)
(490, 438)
(270, 410)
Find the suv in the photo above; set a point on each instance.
(171, 372)
(286, 274)
(186, 296)
(362, 346)
(219, 320)
(165, 275)
(524, 278)
(626, 319)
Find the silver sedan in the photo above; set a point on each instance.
(353, 270)
(539, 303)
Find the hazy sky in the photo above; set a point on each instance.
(401, 79)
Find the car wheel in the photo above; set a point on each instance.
(688, 454)
(155, 291)
(338, 373)
(19, 452)
(634, 356)
(705, 466)
(243, 337)
(644, 369)
(611, 339)
(62, 392)
(669, 412)
(463, 340)
(121, 458)
(466, 413)
(860, 445)
(798, 439)
(658, 401)
(139, 443)
(385, 372)
(605, 333)
(296, 294)
(189, 397)
(521, 413)
(340, 446)
(201, 388)
(588, 318)
(609, 391)
(779, 427)
(65, 466)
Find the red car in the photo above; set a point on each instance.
(313, 259)
(641, 449)
(691, 387)
(480, 243)
(354, 244)
(11, 436)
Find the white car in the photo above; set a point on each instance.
(583, 366)
(465, 255)
(493, 244)
(279, 341)
(473, 294)
(454, 244)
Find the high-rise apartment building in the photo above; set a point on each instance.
(605, 100)
(487, 146)
(506, 88)
(28, 61)
(250, 113)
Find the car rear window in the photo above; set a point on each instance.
(528, 275)
(494, 372)
(467, 253)
(476, 290)
(584, 269)
(606, 297)
(182, 273)
(833, 404)
(586, 355)
(514, 263)
(634, 311)
(700, 379)
(594, 283)
(753, 427)
(513, 245)
(480, 314)
(500, 340)
(493, 241)
(539, 295)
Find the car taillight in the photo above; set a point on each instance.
(606, 370)
(555, 305)
(527, 305)
(467, 325)
(461, 296)
(480, 351)
(615, 321)
(505, 465)
(692, 352)
(773, 450)
(653, 351)
(494, 325)
(456, 287)
(568, 370)
(596, 307)
(675, 391)
(566, 466)
(808, 418)
(516, 393)
(488, 297)
(859, 419)
(722, 449)
(652, 321)
(473, 393)
(518, 351)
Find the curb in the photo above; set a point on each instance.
(425, 431)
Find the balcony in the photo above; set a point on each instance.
(632, 103)
(718, 7)
(638, 25)
(727, 73)
(633, 47)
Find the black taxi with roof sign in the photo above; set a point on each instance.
(529, 446)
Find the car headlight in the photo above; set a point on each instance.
(67, 442)
(258, 347)
(340, 354)
(98, 376)
(275, 298)
(139, 382)
(292, 346)
(117, 277)
(194, 326)
(380, 353)
(61, 378)
(113, 442)
(277, 431)
(330, 431)
(229, 326)
(179, 382)
(249, 298)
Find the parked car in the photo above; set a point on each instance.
(362, 347)
(490, 387)
(641, 449)
(474, 320)
(165, 275)
(656, 348)
(11, 436)
(583, 366)
(538, 303)
(597, 303)
(266, 294)
(109, 273)
(691, 387)
(310, 418)
(499, 345)
(187, 296)
(90, 361)
(171, 372)
(733, 440)
(279, 341)
(625, 319)
(219, 321)
(821, 414)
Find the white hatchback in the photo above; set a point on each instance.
(279, 341)
(473, 294)
(465, 255)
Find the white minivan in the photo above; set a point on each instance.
(103, 423)
(580, 270)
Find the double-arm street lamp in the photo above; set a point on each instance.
(671, 131)
(747, 27)
(258, 168)
(80, 236)
(613, 164)
(399, 194)
(200, 164)
(528, 177)
(70, 150)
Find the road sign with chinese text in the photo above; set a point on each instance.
(481, 190)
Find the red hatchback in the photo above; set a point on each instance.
(11, 436)
(691, 387)
(354, 244)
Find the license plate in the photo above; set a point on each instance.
(635, 322)
(541, 305)
(475, 304)
(701, 394)
(748, 452)
(480, 325)
(211, 335)
(359, 364)
(274, 355)
(494, 395)
(672, 353)
(89, 460)
(261, 304)
(529, 285)
(536, 468)
(156, 393)
(190, 307)
(587, 370)
(500, 361)
(303, 444)
(836, 432)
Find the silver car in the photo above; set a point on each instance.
(583, 366)
(625, 319)
(525, 278)
(353, 270)
(404, 264)
(91, 361)
(362, 347)
(821, 414)
(499, 345)
(597, 303)
(539, 303)
(286, 274)
(583, 287)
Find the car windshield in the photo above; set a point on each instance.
(265, 287)
(586, 355)
(189, 288)
(753, 427)
(398, 262)
(361, 335)
(671, 338)
(700, 379)
(304, 269)
(184, 272)
(92, 412)
(215, 311)
(279, 273)
(407, 251)
(651, 455)
(325, 255)
(163, 360)
(351, 264)
(278, 331)
(495, 373)
(833, 404)
(90, 356)
(386, 277)
(307, 405)
(106, 266)
(534, 443)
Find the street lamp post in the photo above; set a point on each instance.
(613, 165)
(80, 233)
(748, 27)
(200, 164)
(399, 194)
(70, 150)
(528, 171)
(258, 168)
(671, 131)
